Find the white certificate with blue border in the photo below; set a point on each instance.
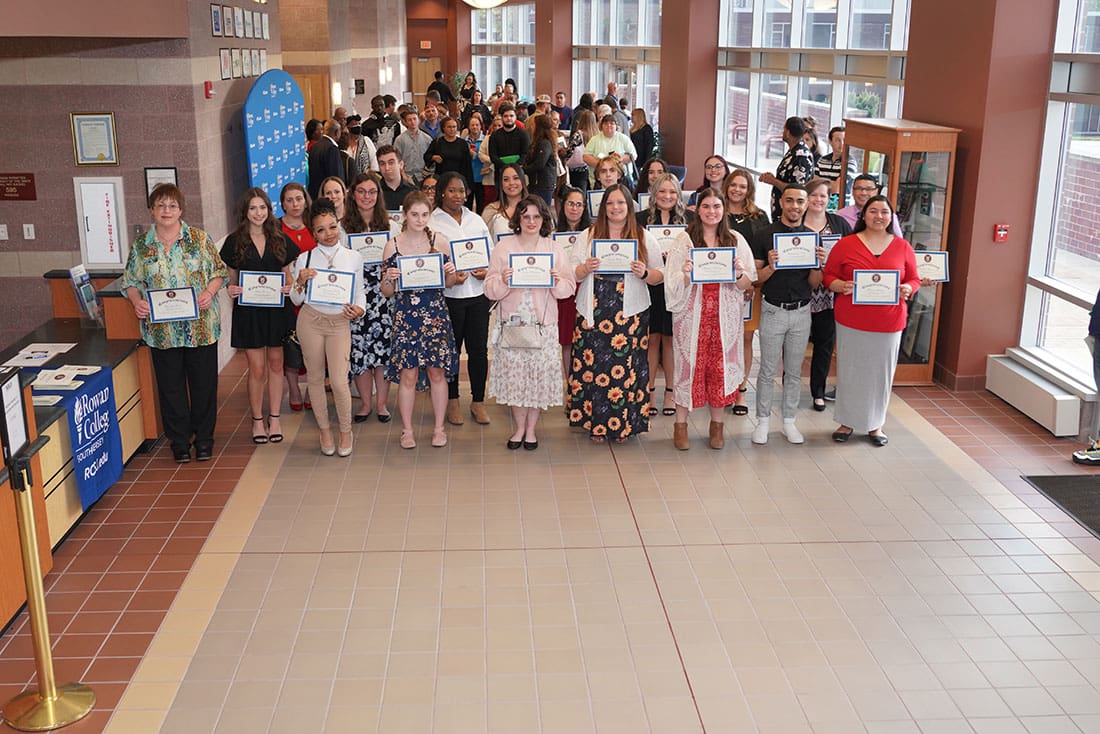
(331, 288)
(420, 271)
(261, 288)
(595, 198)
(567, 240)
(531, 269)
(828, 241)
(643, 201)
(396, 216)
(665, 234)
(796, 250)
(932, 265)
(747, 308)
(876, 287)
(370, 245)
(470, 253)
(615, 256)
(172, 304)
(713, 264)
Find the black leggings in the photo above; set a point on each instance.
(470, 321)
(823, 337)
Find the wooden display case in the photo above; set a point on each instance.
(915, 162)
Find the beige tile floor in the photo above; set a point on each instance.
(627, 589)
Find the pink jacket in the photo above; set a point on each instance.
(544, 298)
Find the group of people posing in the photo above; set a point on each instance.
(604, 336)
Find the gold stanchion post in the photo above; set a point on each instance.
(49, 707)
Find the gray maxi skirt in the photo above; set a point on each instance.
(865, 363)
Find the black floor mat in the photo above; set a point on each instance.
(1077, 494)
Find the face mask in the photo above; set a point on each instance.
(355, 129)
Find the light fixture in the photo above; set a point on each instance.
(484, 4)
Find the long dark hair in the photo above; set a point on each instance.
(544, 211)
(379, 217)
(643, 175)
(724, 236)
(522, 179)
(544, 130)
(562, 222)
(273, 237)
(862, 225)
(631, 231)
(706, 183)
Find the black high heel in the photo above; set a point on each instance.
(260, 438)
(275, 437)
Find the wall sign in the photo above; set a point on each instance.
(17, 187)
(101, 222)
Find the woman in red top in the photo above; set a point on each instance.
(868, 336)
(295, 201)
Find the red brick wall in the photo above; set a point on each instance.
(1078, 225)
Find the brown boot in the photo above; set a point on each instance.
(717, 440)
(680, 436)
(477, 410)
(454, 415)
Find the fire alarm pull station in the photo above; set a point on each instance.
(1000, 233)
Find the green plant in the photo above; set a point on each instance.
(869, 102)
(457, 80)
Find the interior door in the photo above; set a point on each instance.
(423, 74)
(316, 93)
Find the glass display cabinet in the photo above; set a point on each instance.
(915, 163)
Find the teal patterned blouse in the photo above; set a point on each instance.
(193, 261)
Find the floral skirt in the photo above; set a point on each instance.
(610, 369)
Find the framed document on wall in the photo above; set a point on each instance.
(94, 141)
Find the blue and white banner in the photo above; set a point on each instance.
(96, 441)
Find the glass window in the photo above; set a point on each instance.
(820, 27)
(777, 23)
(1059, 333)
(815, 97)
(738, 27)
(871, 24)
(865, 100)
(1074, 257)
(734, 86)
(626, 24)
(772, 116)
(649, 92)
(1087, 37)
(651, 32)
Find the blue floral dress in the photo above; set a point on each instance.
(370, 335)
(421, 334)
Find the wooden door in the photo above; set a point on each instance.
(317, 94)
(423, 74)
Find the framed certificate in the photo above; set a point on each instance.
(932, 265)
(396, 216)
(420, 271)
(331, 288)
(876, 287)
(531, 270)
(747, 308)
(261, 288)
(370, 245)
(665, 234)
(94, 138)
(172, 304)
(643, 201)
(595, 198)
(828, 241)
(567, 240)
(615, 255)
(470, 254)
(796, 250)
(713, 264)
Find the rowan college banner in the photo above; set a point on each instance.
(96, 441)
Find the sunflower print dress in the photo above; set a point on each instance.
(610, 367)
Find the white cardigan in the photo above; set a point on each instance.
(635, 290)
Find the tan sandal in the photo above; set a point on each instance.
(408, 441)
(439, 438)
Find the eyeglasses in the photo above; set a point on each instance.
(714, 167)
(577, 204)
(865, 188)
(166, 205)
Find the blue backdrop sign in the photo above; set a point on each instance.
(274, 134)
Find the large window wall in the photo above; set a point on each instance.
(503, 43)
(760, 41)
(619, 41)
(1065, 253)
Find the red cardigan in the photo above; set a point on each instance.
(851, 254)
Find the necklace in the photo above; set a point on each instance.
(329, 259)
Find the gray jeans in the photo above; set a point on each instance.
(782, 335)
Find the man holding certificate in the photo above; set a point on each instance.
(785, 309)
(873, 273)
(172, 279)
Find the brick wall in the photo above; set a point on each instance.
(1078, 226)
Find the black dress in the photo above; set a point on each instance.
(256, 327)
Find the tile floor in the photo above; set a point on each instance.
(917, 588)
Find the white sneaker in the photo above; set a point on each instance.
(792, 433)
(760, 433)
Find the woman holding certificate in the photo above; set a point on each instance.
(610, 371)
(746, 219)
(417, 267)
(368, 226)
(295, 201)
(666, 208)
(328, 285)
(872, 274)
(709, 270)
(467, 305)
(172, 278)
(526, 274)
(258, 256)
(572, 219)
(513, 190)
